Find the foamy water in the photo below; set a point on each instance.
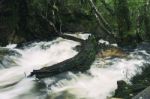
(99, 82)
(102, 81)
(34, 56)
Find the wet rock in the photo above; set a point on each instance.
(77, 48)
(7, 51)
(6, 60)
(145, 94)
(123, 90)
(112, 52)
(139, 83)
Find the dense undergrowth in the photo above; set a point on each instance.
(28, 20)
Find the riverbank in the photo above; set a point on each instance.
(139, 82)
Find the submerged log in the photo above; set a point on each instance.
(80, 62)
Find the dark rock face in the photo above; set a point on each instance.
(145, 94)
(122, 90)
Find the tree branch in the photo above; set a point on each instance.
(71, 38)
(108, 8)
(49, 22)
(101, 21)
(99, 15)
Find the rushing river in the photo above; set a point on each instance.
(99, 82)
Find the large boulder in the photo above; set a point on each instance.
(145, 94)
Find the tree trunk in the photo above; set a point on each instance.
(123, 18)
(107, 7)
(103, 24)
(147, 19)
(81, 62)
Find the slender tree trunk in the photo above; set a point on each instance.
(138, 29)
(103, 24)
(147, 19)
(50, 23)
(109, 9)
(99, 15)
(123, 18)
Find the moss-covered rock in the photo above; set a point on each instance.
(139, 83)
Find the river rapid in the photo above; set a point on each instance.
(99, 82)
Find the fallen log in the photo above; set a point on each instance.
(80, 62)
(71, 38)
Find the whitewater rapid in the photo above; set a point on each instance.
(99, 82)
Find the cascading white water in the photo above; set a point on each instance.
(103, 79)
(13, 82)
(99, 82)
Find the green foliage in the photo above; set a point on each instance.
(127, 18)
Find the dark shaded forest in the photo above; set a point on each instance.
(122, 21)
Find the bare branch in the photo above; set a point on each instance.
(101, 21)
(101, 18)
(108, 8)
(50, 23)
